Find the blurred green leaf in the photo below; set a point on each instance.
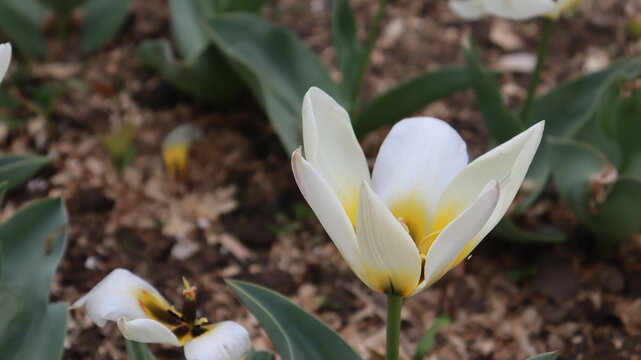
(32, 242)
(240, 5)
(410, 96)
(295, 333)
(277, 67)
(62, 6)
(260, 355)
(121, 146)
(3, 191)
(507, 230)
(21, 21)
(102, 21)
(206, 76)
(17, 168)
(567, 109)
(619, 113)
(349, 51)
(608, 205)
(545, 356)
(186, 25)
(428, 339)
(502, 123)
(138, 351)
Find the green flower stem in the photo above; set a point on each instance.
(374, 30)
(546, 30)
(394, 305)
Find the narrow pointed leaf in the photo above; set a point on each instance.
(241, 5)
(509, 231)
(295, 333)
(186, 25)
(30, 256)
(62, 6)
(409, 97)
(349, 51)
(277, 67)
(102, 21)
(14, 169)
(427, 342)
(545, 356)
(206, 76)
(502, 123)
(138, 351)
(260, 355)
(22, 22)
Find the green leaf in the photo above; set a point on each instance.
(276, 65)
(502, 123)
(612, 217)
(253, 6)
(428, 340)
(206, 76)
(3, 191)
(507, 230)
(17, 168)
(349, 51)
(545, 356)
(102, 21)
(409, 97)
(138, 351)
(186, 25)
(62, 6)
(22, 21)
(295, 333)
(567, 109)
(260, 355)
(619, 113)
(30, 256)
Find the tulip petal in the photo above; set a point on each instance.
(225, 341)
(507, 163)
(388, 253)
(115, 297)
(332, 148)
(147, 331)
(328, 209)
(468, 9)
(519, 9)
(417, 160)
(457, 234)
(5, 59)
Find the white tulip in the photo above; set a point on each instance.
(511, 9)
(143, 315)
(423, 210)
(5, 59)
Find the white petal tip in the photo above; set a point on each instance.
(147, 331)
(228, 340)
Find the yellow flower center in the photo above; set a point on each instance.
(157, 309)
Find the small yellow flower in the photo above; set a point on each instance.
(424, 208)
(175, 149)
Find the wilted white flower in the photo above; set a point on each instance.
(143, 315)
